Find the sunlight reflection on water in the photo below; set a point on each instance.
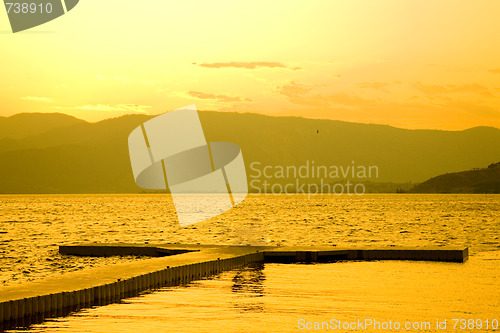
(272, 298)
(32, 226)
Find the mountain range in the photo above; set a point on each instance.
(478, 180)
(57, 153)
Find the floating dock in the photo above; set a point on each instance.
(170, 265)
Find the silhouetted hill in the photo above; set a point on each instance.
(485, 180)
(106, 131)
(80, 157)
(401, 155)
(27, 124)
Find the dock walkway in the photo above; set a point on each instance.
(170, 265)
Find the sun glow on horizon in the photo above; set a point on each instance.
(402, 63)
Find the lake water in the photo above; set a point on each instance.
(274, 297)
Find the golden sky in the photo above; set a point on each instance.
(410, 64)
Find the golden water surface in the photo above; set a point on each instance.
(270, 298)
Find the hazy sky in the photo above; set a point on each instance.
(411, 64)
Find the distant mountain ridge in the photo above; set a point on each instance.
(484, 180)
(27, 124)
(52, 153)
